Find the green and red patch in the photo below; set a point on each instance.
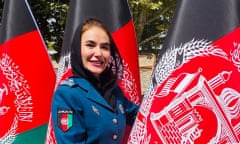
(65, 119)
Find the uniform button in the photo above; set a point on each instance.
(114, 121)
(114, 137)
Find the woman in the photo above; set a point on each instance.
(90, 107)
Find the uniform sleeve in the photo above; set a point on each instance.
(131, 112)
(68, 123)
(131, 109)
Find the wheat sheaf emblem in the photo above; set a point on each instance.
(10, 135)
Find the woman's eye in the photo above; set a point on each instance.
(106, 47)
(90, 45)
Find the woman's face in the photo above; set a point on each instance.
(95, 50)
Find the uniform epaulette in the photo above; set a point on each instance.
(68, 82)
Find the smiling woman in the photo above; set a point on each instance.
(89, 107)
(95, 48)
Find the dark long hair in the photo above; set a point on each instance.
(109, 78)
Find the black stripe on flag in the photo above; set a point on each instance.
(208, 19)
(14, 20)
(114, 13)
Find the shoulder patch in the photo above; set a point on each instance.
(68, 82)
(65, 119)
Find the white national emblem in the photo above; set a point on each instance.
(64, 64)
(3, 109)
(17, 85)
(175, 57)
(129, 84)
(183, 117)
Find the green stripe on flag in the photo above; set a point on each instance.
(70, 120)
(34, 136)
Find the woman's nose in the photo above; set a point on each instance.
(97, 50)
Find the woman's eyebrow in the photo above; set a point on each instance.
(93, 42)
(106, 44)
(89, 41)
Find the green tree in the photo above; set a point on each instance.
(151, 19)
(51, 17)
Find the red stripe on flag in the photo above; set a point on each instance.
(125, 40)
(27, 77)
(64, 121)
(168, 117)
(30, 80)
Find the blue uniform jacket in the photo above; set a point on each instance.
(82, 116)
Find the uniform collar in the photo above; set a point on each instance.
(92, 93)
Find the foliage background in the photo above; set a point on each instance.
(151, 18)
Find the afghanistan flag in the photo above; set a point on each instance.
(27, 77)
(117, 17)
(194, 93)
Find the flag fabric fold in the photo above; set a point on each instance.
(117, 17)
(194, 95)
(27, 77)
